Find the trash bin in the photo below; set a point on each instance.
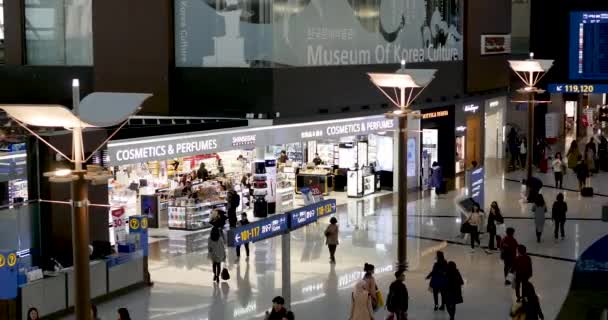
(605, 212)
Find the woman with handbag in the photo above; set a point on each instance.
(494, 219)
(331, 238)
(217, 251)
(474, 221)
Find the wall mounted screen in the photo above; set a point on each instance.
(588, 45)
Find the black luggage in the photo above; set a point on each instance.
(587, 192)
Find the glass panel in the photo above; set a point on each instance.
(58, 32)
(19, 228)
(247, 33)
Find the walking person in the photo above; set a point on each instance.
(244, 221)
(217, 252)
(494, 219)
(508, 253)
(539, 208)
(523, 151)
(531, 303)
(331, 238)
(123, 314)
(582, 173)
(233, 202)
(558, 214)
(453, 290)
(436, 178)
(361, 304)
(438, 277)
(573, 155)
(397, 300)
(474, 221)
(558, 170)
(370, 281)
(522, 268)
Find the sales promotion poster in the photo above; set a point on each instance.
(252, 33)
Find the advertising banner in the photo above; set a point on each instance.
(476, 185)
(250, 33)
(188, 144)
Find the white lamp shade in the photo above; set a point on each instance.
(408, 78)
(105, 109)
(531, 65)
(44, 115)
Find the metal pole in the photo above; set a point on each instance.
(286, 270)
(530, 145)
(80, 243)
(402, 193)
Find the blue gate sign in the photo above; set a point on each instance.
(8, 275)
(309, 214)
(259, 230)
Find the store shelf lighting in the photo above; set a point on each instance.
(401, 88)
(98, 109)
(530, 71)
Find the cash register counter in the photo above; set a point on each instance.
(320, 179)
(54, 294)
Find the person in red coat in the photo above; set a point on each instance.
(508, 252)
(522, 268)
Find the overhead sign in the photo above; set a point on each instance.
(577, 88)
(309, 214)
(259, 230)
(188, 144)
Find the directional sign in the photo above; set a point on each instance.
(8, 275)
(577, 88)
(11, 260)
(309, 214)
(259, 230)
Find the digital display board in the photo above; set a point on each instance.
(258, 230)
(588, 45)
(476, 185)
(577, 88)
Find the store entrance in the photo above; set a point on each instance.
(473, 144)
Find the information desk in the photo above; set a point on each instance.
(308, 180)
(99, 278)
(48, 295)
(125, 270)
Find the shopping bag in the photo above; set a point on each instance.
(225, 274)
(465, 228)
(501, 230)
(379, 300)
(511, 277)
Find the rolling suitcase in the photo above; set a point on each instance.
(587, 190)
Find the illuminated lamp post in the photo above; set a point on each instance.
(98, 109)
(406, 85)
(530, 71)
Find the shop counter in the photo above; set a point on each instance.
(323, 181)
(98, 276)
(360, 183)
(125, 270)
(48, 295)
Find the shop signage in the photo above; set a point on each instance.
(495, 44)
(494, 103)
(470, 107)
(461, 128)
(259, 230)
(577, 88)
(139, 225)
(476, 185)
(437, 114)
(120, 224)
(190, 144)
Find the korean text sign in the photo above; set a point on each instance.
(259, 230)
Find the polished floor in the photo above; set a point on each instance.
(184, 289)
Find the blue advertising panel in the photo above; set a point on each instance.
(309, 214)
(476, 185)
(8, 275)
(259, 230)
(577, 88)
(139, 225)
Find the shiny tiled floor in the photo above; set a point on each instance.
(182, 273)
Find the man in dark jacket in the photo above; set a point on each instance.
(582, 172)
(508, 252)
(522, 268)
(534, 185)
(233, 201)
(279, 312)
(559, 215)
(397, 299)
